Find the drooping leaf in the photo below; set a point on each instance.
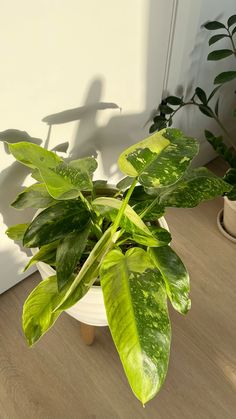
(216, 38)
(196, 185)
(137, 313)
(34, 156)
(159, 160)
(174, 100)
(46, 254)
(231, 20)
(165, 109)
(213, 25)
(38, 311)
(69, 252)
(217, 143)
(219, 54)
(201, 95)
(56, 222)
(225, 77)
(35, 196)
(130, 222)
(175, 276)
(89, 271)
(206, 110)
(17, 231)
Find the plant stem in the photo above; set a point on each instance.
(123, 206)
(149, 207)
(225, 131)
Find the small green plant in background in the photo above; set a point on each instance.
(207, 104)
(91, 232)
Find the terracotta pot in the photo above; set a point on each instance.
(90, 309)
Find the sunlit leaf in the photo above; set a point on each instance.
(17, 231)
(35, 196)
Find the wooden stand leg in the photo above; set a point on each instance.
(87, 333)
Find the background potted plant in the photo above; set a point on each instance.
(93, 234)
(209, 106)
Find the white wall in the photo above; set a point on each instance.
(63, 54)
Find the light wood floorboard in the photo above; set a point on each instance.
(61, 378)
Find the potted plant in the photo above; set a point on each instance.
(209, 105)
(111, 239)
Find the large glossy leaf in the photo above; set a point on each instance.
(136, 306)
(197, 185)
(46, 254)
(35, 196)
(160, 159)
(17, 231)
(56, 222)
(130, 221)
(89, 271)
(33, 155)
(69, 252)
(65, 182)
(175, 276)
(38, 311)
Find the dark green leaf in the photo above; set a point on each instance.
(216, 38)
(160, 159)
(206, 111)
(225, 77)
(35, 196)
(17, 231)
(231, 20)
(195, 186)
(46, 254)
(166, 109)
(211, 26)
(175, 276)
(217, 143)
(56, 222)
(69, 252)
(201, 95)
(153, 128)
(233, 31)
(174, 100)
(219, 54)
(230, 177)
(137, 313)
(152, 215)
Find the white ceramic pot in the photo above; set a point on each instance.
(226, 219)
(90, 309)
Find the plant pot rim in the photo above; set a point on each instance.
(221, 227)
(231, 203)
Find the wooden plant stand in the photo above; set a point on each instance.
(87, 333)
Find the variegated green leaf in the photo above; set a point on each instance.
(38, 311)
(35, 196)
(87, 164)
(130, 221)
(69, 252)
(33, 155)
(46, 254)
(194, 187)
(56, 222)
(136, 306)
(160, 159)
(175, 276)
(17, 231)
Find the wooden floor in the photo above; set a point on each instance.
(62, 379)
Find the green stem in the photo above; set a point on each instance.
(149, 207)
(225, 131)
(123, 206)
